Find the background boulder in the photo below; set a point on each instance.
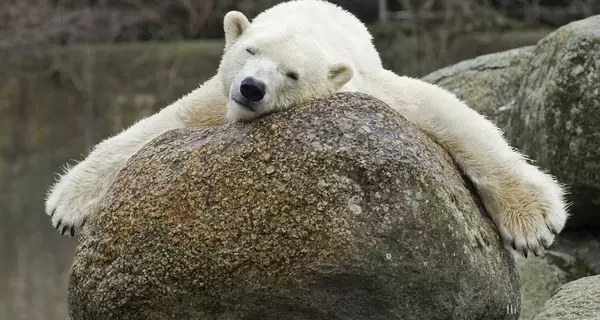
(339, 209)
(575, 300)
(555, 115)
(540, 277)
(487, 83)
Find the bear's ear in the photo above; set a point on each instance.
(340, 74)
(234, 24)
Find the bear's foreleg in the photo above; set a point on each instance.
(76, 194)
(526, 204)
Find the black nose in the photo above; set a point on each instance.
(253, 89)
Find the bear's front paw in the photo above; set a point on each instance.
(529, 211)
(69, 203)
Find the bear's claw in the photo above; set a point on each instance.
(552, 229)
(71, 230)
(65, 227)
(69, 203)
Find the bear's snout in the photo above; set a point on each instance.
(253, 89)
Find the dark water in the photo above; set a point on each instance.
(34, 259)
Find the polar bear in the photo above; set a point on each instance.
(306, 49)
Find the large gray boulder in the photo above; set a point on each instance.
(339, 209)
(547, 100)
(576, 300)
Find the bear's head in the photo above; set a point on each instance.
(269, 67)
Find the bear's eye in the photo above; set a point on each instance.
(250, 51)
(292, 75)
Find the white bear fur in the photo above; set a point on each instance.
(331, 51)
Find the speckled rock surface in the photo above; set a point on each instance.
(541, 276)
(557, 118)
(339, 209)
(487, 83)
(576, 300)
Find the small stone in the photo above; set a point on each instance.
(356, 209)
(270, 169)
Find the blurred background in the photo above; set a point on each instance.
(73, 72)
